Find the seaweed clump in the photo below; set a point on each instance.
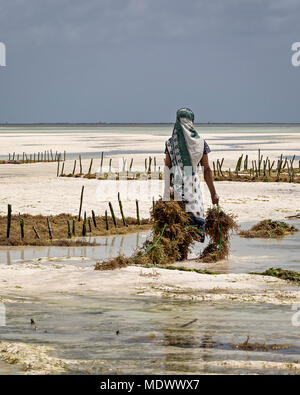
(112, 264)
(269, 229)
(288, 275)
(171, 238)
(172, 222)
(246, 346)
(219, 227)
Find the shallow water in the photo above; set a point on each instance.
(257, 255)
(152, 337)
(247, 255)
(108, 247)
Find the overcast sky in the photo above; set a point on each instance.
(140, 60)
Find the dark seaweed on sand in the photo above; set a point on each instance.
(288, 275)
(269, 229)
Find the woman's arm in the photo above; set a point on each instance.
(209, 179)
(168, 161)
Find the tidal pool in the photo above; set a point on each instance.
(247, 255)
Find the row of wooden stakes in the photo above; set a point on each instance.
(151, 169)
(45, 156)
(86, 226)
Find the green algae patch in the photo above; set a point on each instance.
(187, 269)
(287, 275)
(269, 229)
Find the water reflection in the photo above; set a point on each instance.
(246, 254)
(108, 247)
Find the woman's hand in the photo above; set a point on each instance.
(215, 198)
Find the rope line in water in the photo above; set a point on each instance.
(220, 227)
(160, 236)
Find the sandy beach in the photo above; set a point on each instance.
(42, 192)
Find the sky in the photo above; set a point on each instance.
(141, 60)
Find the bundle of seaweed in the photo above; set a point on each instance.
(171, 238)
(178, 236)
(269, 229)
(219, 227)
(288, 275)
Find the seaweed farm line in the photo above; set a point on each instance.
(263, 169)
(45, 156)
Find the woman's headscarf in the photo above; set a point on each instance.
(186, 148)
(189, 143)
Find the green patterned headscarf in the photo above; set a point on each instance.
(187, 145)
(186, 148)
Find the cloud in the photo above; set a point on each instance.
(127, 21)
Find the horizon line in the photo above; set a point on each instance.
(142, 123)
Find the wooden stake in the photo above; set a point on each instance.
(80, 164)
(8, 221)
(131, 163)
(49, 229)
(22, 226)
(57, 174)
(101, 162)
(106, 221)
(69, 230)
(112, 214)
(149, 167)
(90, 168)
(121, 210)
(62, 169)
(84, 229)
(74, 168)
(80, 207)
(137, 212)
(94, 218)
(36, 233)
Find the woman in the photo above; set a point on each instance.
(185, 151)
